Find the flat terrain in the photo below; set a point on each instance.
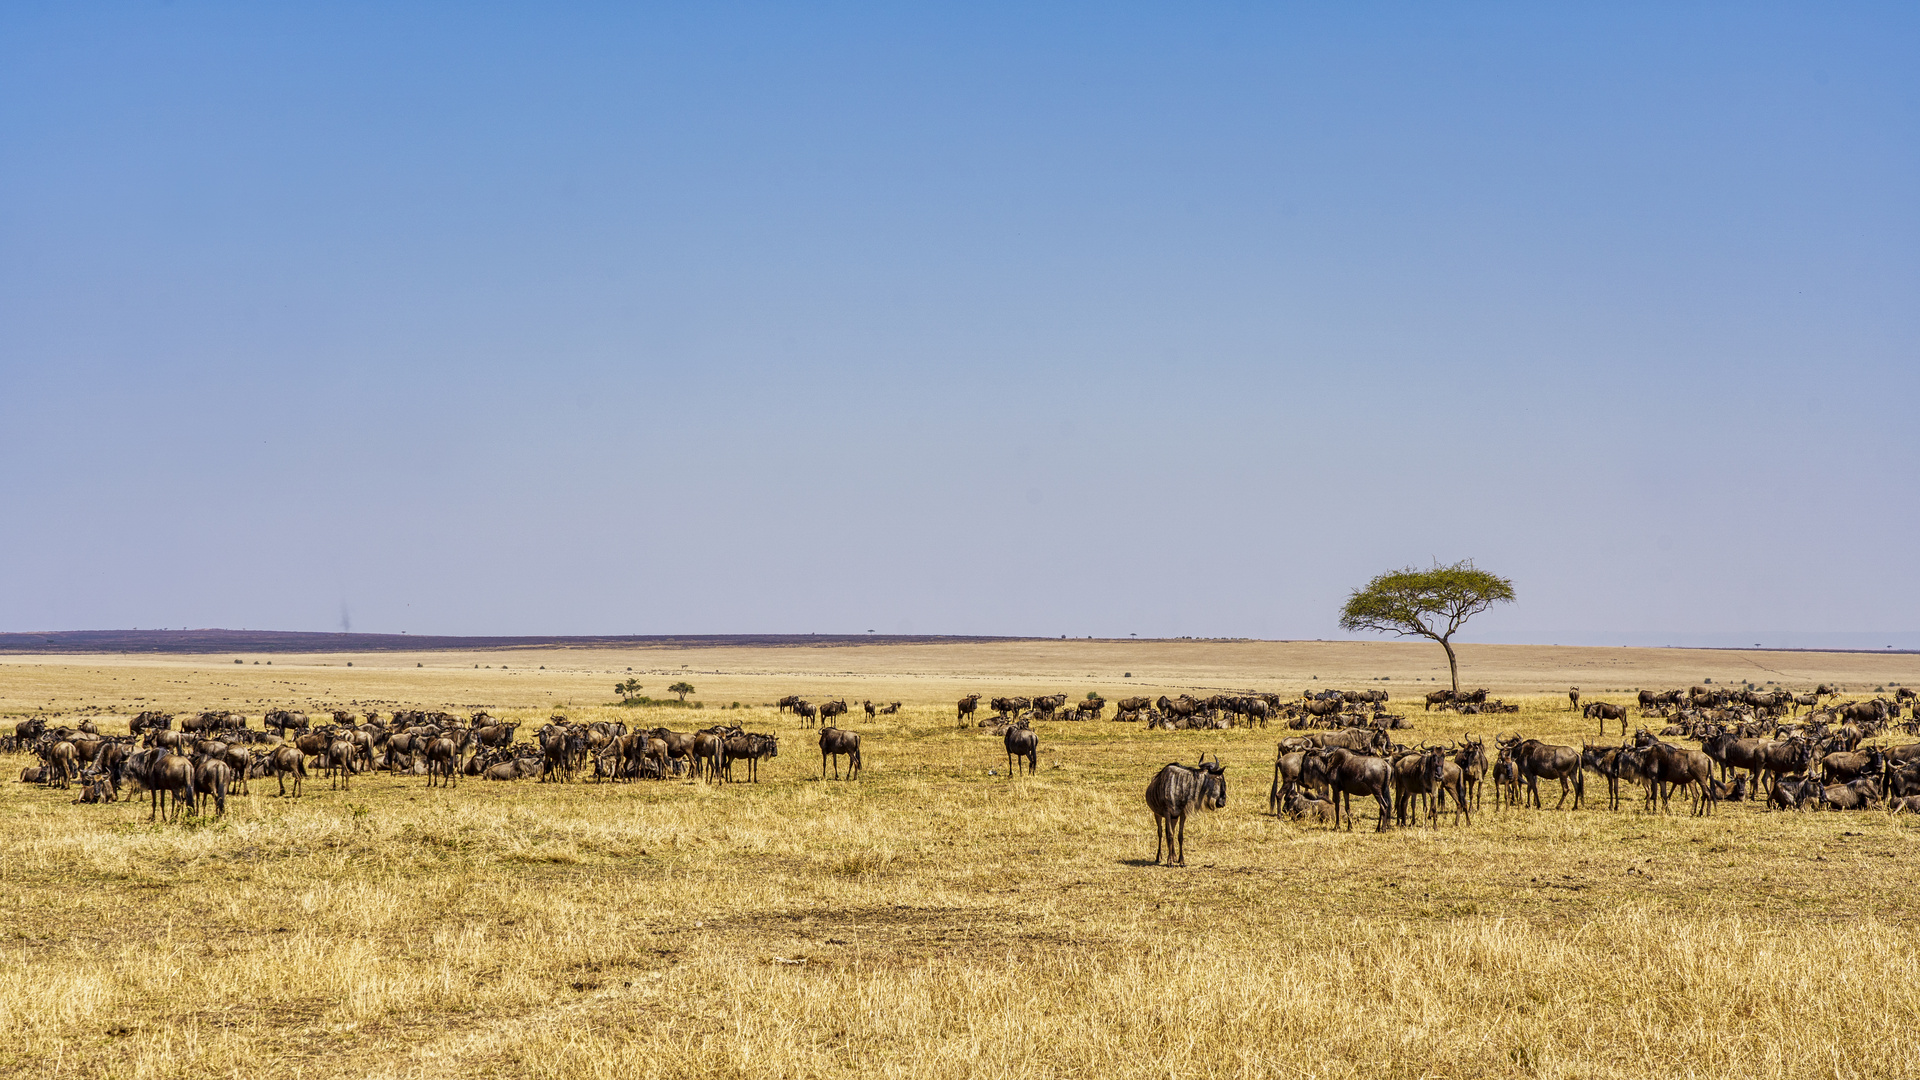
(934, 919)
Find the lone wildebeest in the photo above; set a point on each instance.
(833, 743)
(1573, 698)
(1605, 711)
(1176, 791)
(1022, 742)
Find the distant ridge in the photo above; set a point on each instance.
(288, 641)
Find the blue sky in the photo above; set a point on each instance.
(1156, 319)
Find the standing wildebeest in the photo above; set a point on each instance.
(1176, 791)
(1022, 743)
(1424, 772)
(1669, 766)
(288, 761)
(1605, 711)
(831, 709)
(1472, 760)
(1438, 697)
(443, 759)
(1534, 760)
(708, 749)
(340, 762)
(162, 771)
(966, 706)
(750, 748)
(833, 743)
(1349, 774)
(213, 778)
(804, 711)
(1573, 698)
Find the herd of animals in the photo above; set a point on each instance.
(1752, 745)
(215, 754)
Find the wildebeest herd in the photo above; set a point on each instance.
(214, 754)
(1750, 745)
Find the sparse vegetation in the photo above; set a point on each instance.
(1432, 603)
(914, 925)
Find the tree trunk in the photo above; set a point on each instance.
(1453, 665)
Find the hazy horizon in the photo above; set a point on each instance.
(1109, 320)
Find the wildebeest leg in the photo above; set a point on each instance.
(1183, 839)
(1386, 819)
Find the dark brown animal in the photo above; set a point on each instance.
(1021, 742)
(835, 743)
(1176, 792)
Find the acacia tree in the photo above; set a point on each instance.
(1430, 603)
(628, 690)
(681, 688)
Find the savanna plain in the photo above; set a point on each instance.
(937, 917)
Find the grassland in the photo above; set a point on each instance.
(933, 919)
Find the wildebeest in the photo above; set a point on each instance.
(749, 748)
(966, 706)
(1534, 761)
(831, 709)
(442, 761)
(834, 743)
(1022, 742)
(1573, 698)
(1670, 767)
(1424, 772)
(212, 779)
(288, 761)
(1605, 711)
(1347, 774)
(1176, 791)
(1841, 768)
(1472, 760)
(161, 771)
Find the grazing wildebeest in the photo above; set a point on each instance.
(1534, 761)
(1022, 743)
(1605, 711)
(834, 743)
(1176, 791)
(1348, 774)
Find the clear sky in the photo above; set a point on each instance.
(1168, 319)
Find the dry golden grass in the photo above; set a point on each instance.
(950, 923)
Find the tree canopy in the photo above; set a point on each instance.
(1430, 603)
(682, 688)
